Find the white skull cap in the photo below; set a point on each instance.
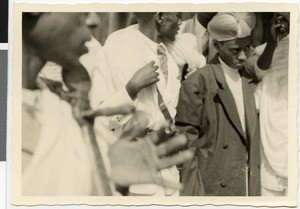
(227, 26)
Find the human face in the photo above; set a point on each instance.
(169, 25)
(60, 37)
(234, 52)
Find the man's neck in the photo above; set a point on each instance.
(31, 66)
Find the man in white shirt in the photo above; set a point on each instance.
(129, 49)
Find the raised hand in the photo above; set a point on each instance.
(144, 77)
(138, 161)
(279, 29)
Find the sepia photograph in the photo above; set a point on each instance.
(171, 104)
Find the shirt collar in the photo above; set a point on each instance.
(229, 70)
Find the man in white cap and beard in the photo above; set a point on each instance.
(216, 110)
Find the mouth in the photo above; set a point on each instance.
(83, 50)
(240, 63)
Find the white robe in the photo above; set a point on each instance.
(128, 50)
(62, 163)
(272, 101)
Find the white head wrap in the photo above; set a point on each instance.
(231, 25)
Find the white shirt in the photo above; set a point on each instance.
(234, 82)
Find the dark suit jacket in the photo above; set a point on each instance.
(207, 113)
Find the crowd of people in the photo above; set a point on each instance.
(165, 107)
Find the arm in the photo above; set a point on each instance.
(278, 30)
(144, 77)
(265, 60)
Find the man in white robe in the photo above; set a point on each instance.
(270, 63)
(129, 49)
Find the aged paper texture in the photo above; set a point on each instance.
(16, 151)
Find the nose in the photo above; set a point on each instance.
(86, 33)
(242, 55)
(179, 21)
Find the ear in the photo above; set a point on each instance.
(217, 45)
(159, 18)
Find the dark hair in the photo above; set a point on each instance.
(144, 17)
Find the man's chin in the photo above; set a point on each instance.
(71, 61)
(171, 39)
(83, 50)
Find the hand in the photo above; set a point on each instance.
(122, 110)
(138, 162)
(144, 77)
(136, 126)
(279, 29)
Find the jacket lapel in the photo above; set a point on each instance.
(250, 108)
(227, 99)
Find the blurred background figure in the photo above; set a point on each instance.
(57, 123)
(197, 26)
(103, 24)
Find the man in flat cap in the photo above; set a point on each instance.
(216, 110)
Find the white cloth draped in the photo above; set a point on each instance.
(272, 101)
(194, 27)
(128, 50)
(184, 51)
(62, 163)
